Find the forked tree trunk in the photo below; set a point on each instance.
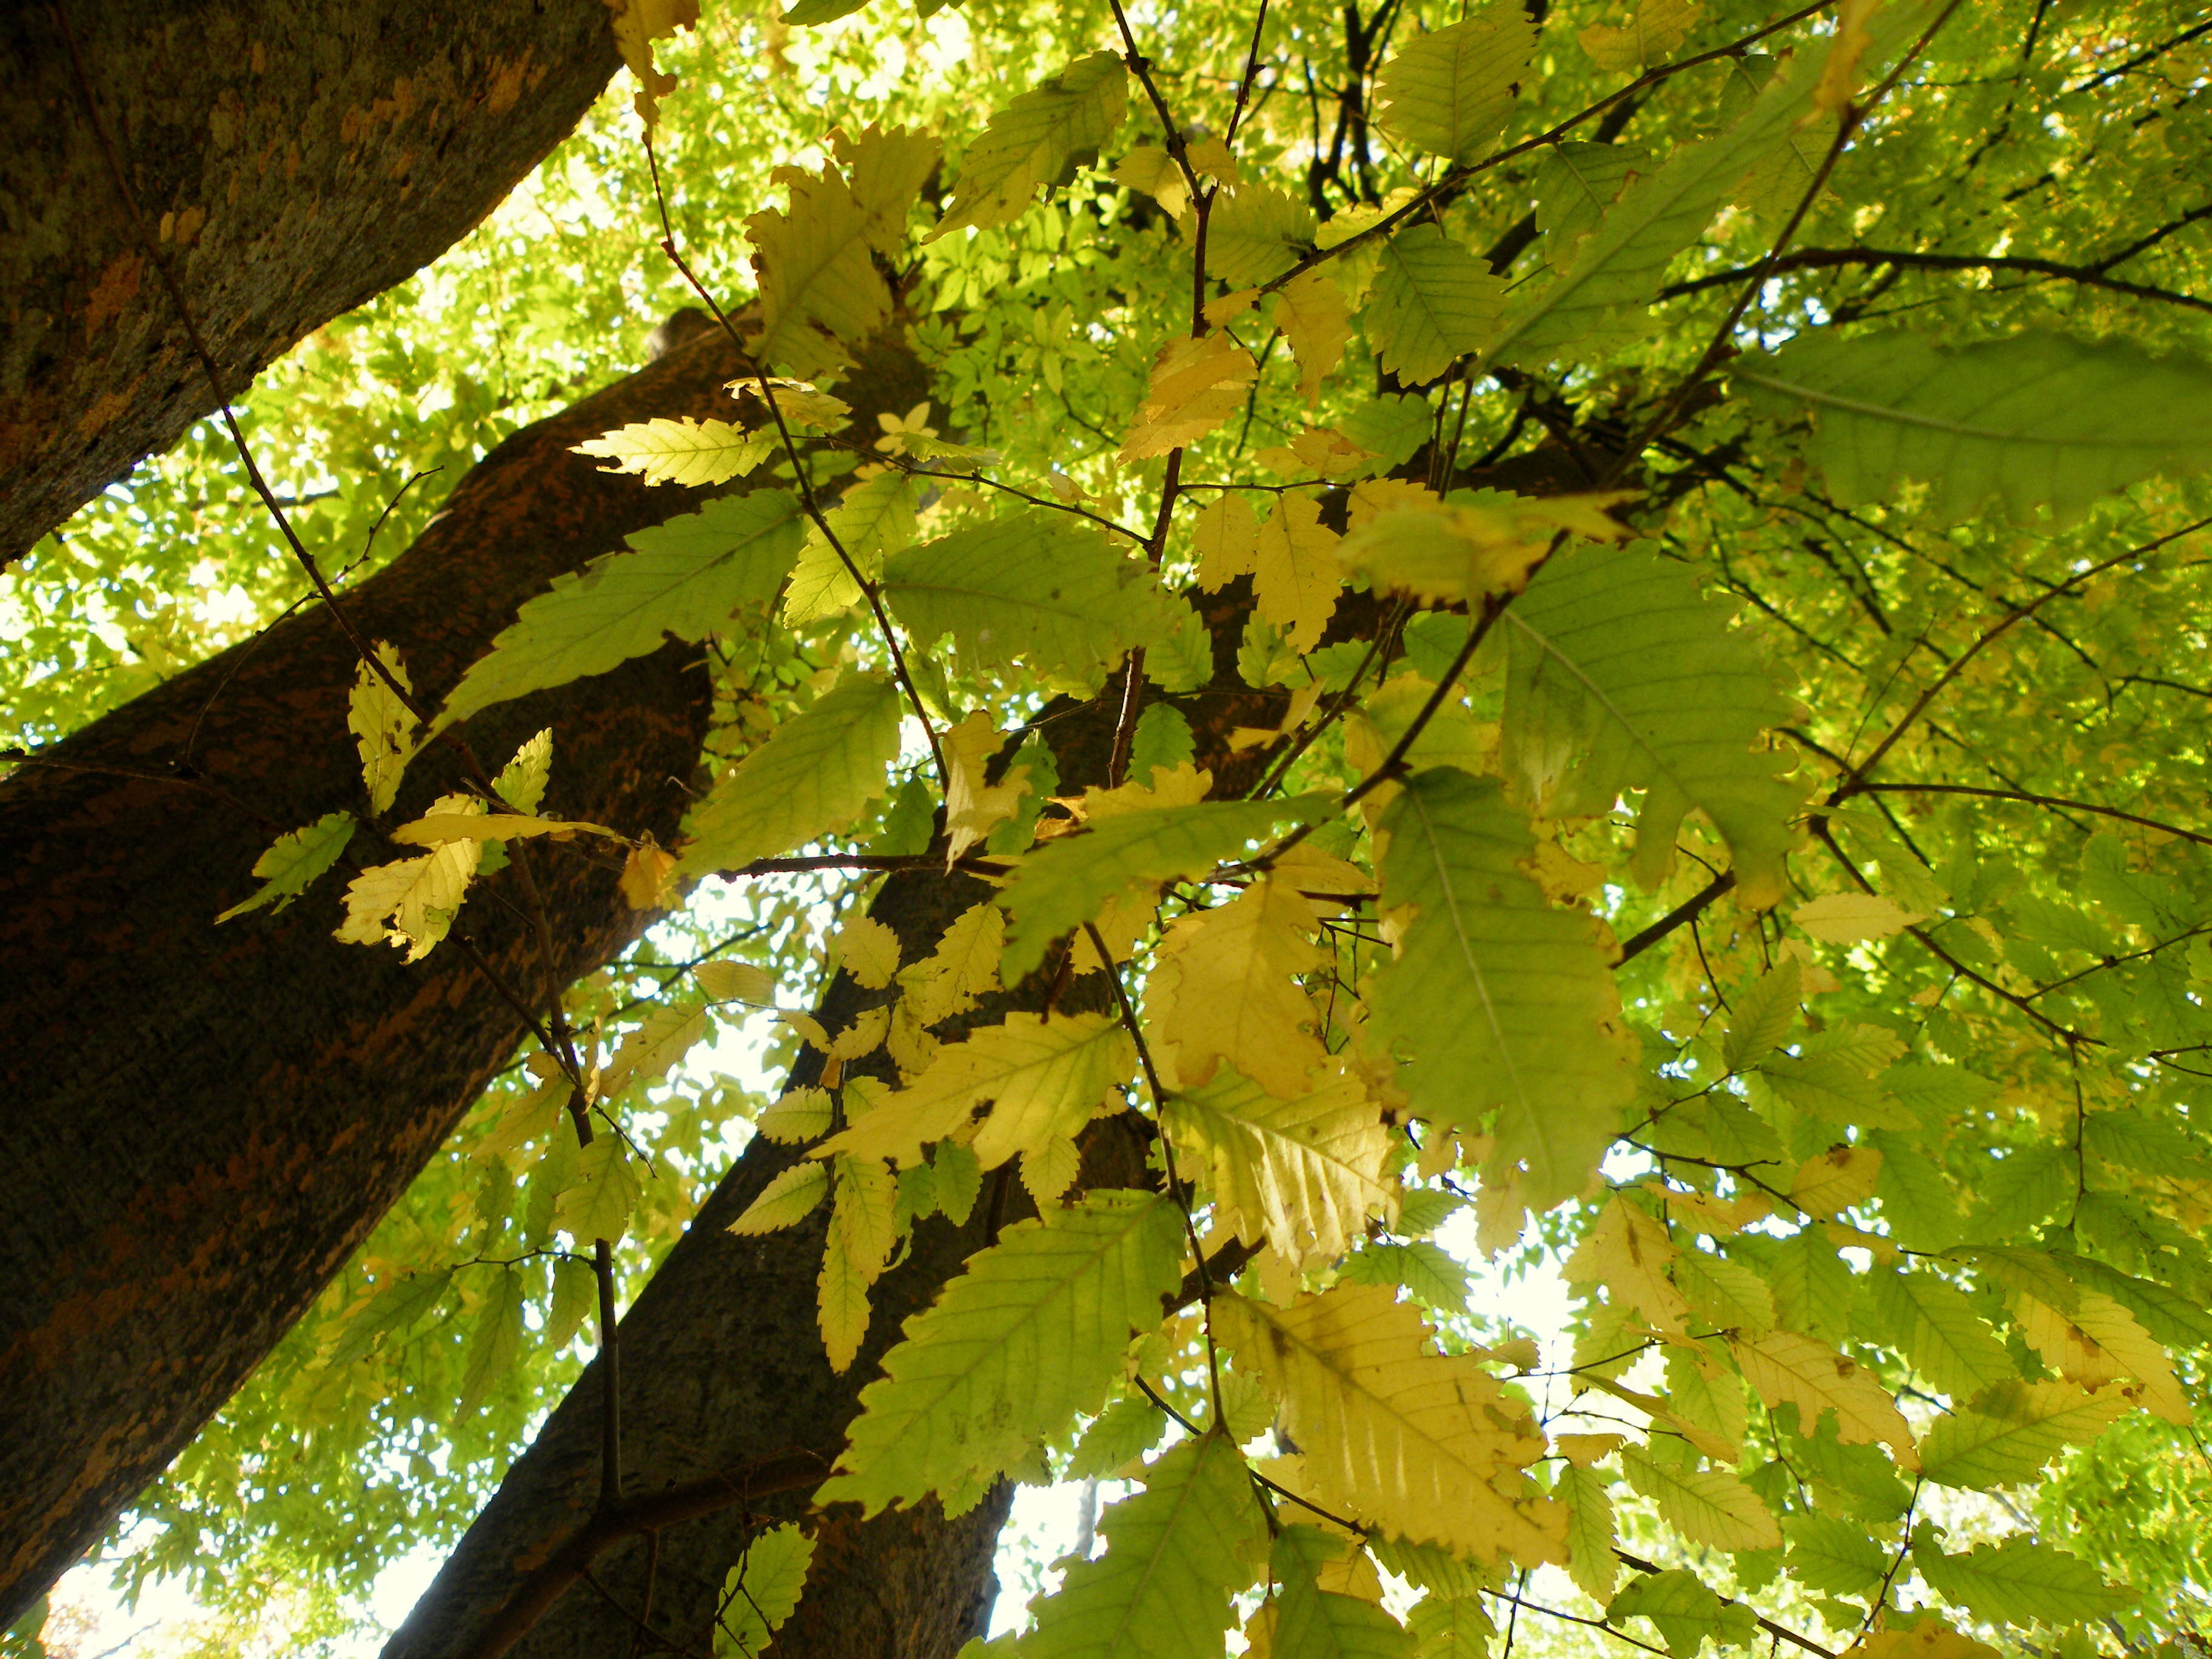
(722, 1366)
(203, 1123)
(294, 158)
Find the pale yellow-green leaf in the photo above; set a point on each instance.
(687, 452)
(1852, 918)
(736, 981)
(1225, 987)
(520, 784)
(606, 1193)
(1039, 139)
(761, 1591)
(294, 861)
(1448, 92)
(1590, 1560)
(868, 950)
(788, 1199)
(383, 730)
(1195, 385)
(1707, 1506)
(1654, 30)
(1295, 572)
(797, 1118)
(1433, 301)
(1788, 1367)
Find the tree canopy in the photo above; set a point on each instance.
(1514, 642)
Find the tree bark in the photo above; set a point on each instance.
(204, 1122)
(292, 159)
(722, 1366)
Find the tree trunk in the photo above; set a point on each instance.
(722, 1366)
(292, 158)
(204, 1122)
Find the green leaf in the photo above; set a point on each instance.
(606, 1192)
(695, 453)
(1496, 999)
(1029, 1336)
(811, 14)
(686, 577)
(495, 1344)
(2015, 1581)
(1042, 138)
(393, 1310)
(1590, 1560)
(1433, 301)
(1763, 1015)
(1175, 1553)
(1576, 183)
(1450, 1627)
(817, 773)
(1254, 233)
(1312, 1623)
(2037, 420)
(1621, 675)
(1938, 1330)
(1837, 1556)
(791, 1196)
(1035, 584)
(1448, 92)
(2011, 1430)
(1181, 658)
(820, 292)
(1163, 739)
(1599, 297)
(1726, 1294)
(1066, 882)
(761, 1591)
(293, 862)
(1424, 1270)
(1127, 1429)
(1707, 1506)
(1684, 1612)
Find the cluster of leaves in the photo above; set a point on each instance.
(1821, 988)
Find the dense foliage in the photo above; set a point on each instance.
(1707, 496)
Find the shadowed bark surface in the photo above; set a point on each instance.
(722, 1365)
(206, 1122)
(293, 158)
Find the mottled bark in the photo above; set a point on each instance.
(722, 1366)
(293, 159)
(206, 1121)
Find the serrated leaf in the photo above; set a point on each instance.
(687, 452)
(1727, 1295)
(817, 773)
(1483, 943)
(1788, 1367)
(1254, 233)
(1621, 675)
(1947, 1342)
(1039, 139)
(1295, 575)
(2038, 420)
(2007, 1433)
(1067, 881)
(1841, 1176)
(1450, 1627)
(2016, 1581)
(495, 1344)
(761, 1591)
(1312, 311)
(605, 1190)
(1175, 1553)
(863, 1227)
(1425, 1446)
(382, 728)
(1448, 92)
(1303, 1174)
(1852, 918)
(790, 1198)
(392, 1312)
(1684, 1612)
(1195, 385)
(1763, 1016)
(1576, 183)
(686, 577)
(411, 903)
(1312, 1622)
(736, 981)
(1126, 1430)
(1628, 1252)
(1707, 1506)
(1029, 1336)
(1035, 585)
(1655, 29)
(798, 1118)
(1424, 1270)
(294, 861)
(1836, 1557)
(1590, 1560)
(1223, 986)
(1433, 301)
(1044, 1078)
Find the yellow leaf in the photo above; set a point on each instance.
(599, 1204)
(1303, 1175)
(972, 807)
(436, 829)
(637, 25)
(1930, 1638)
(1837, 1179)
(854, 1254)
(1048, 1170)
(1848, 918)
(1211, 157)
(1295, 573)
(1226, 537)
(412, 902)
(382, 728)
(1197, 385)
(869, 951)
(646, 876)
(1373, 497)
(1225, 982)
(862, 1037)
(888, 167)
(1151, 171)
(2100, 1342)
(797, 1118)
(1324, 450)
(1627, 1252)
(805, 406)
(1316, 322)
(736, 981)
(1046, 1078)
(1584, 1449)
(1785, 1366)
(1445, 553)
(1427, 1447)
(681, 451)
(1654, 31)
(1839, 74)
(964, 965)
